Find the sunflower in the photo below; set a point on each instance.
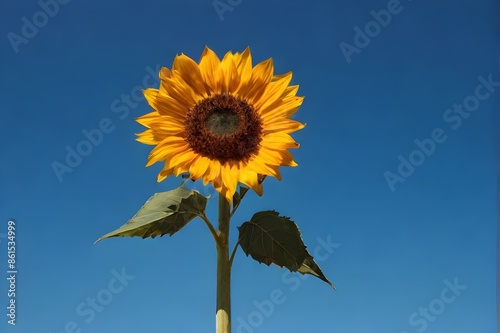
(224, 122)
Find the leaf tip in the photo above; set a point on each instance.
(331, 284)
(100, 239)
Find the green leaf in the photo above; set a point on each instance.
(163, 213)
(273, 239)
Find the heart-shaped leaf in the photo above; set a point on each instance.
(163, 213)
(273, 239)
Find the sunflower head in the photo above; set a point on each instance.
(222, 121)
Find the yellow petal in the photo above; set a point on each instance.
(150, 137)
(160, 122)
(166, 105)
(217, 183)
(213, 171)
(188, 69)
(284, 125)
(230, 176)
(179, 90)
(284, 108)
(164, 149)
(210, 70)
(242, 57)
(244, 67)
(276, 157)
(145, 119)
(164, 73)
(224, 191)
(230, 75)
(251, 179)
(278, 141)
(274, 91)
(258, 166)
(164, 173)
(253, 89)
(264, 70)
(182, 156)
(199, 167)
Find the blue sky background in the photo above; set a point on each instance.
(393, 249)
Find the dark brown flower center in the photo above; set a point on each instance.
(224, 128)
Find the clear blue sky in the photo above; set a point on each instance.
(411, 251)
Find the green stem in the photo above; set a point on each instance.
(223, 311)
(210, 227)
(233, 253)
